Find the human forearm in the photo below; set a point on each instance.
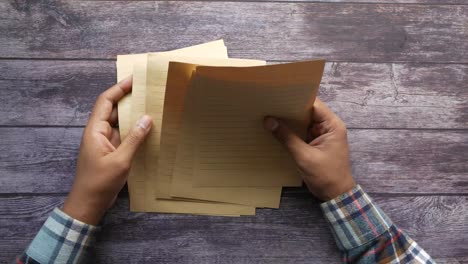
(364, 234)
(362, 231)
(101, 173)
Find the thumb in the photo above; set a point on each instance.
(135, 138)
(295, 145)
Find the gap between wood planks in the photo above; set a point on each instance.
(269, 61)
(348, 128)
(124, 194)
(356, 2)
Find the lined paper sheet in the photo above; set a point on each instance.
(137, 181)
(231, 147)
(281, 74)
(176, 90)
(158, 64)
(125, 68)
(158, 69)
(156, 87)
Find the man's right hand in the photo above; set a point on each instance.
(324, 162)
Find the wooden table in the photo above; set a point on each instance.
(397, 74)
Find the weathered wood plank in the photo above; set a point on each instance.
(42, 160)
(296, 233)
(51, 92)
(433, 2)
(282, 31)
(38, 160)
(410, 161)
(365, 95)
(397, 95)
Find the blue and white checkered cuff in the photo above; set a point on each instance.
(62, 239)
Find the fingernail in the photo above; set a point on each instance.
(144, 122)
(271, 123)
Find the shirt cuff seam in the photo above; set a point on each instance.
(63, 215)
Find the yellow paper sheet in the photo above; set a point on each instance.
(231, 147)
(176, 90)
(137, 182)
(125, 66)
(158, 68)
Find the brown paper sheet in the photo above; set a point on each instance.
(159, 63)
(231, 147)
(176, 90)
(136, 183)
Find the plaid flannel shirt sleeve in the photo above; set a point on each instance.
(61, 239)
(364, 234)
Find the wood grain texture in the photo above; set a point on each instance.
(296, 233)
(397, 77)
(365, 95)
(42, 160)
(51, 92)
(38, 160)
(282, 31)
(432, 2)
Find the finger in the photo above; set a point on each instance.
(115, 137)
(286, 136)
(114, 117)
(321, 112)
(106, 101)
(318, 129)
(325, 120)
(134, 139)
(102, 127)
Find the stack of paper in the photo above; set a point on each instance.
(207, 152)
